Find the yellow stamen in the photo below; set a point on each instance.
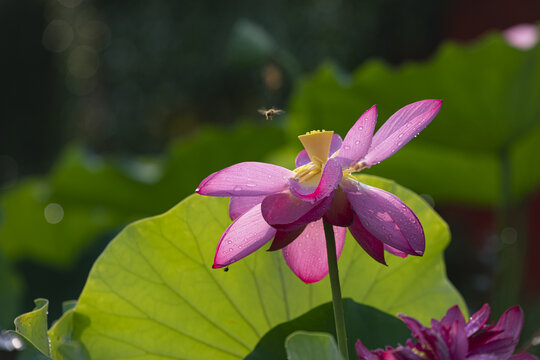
(317, 145)
(306, 172)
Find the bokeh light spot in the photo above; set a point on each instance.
(57, 36)
(522, 36)
(509, 235)
(83, 62)
(54, 213)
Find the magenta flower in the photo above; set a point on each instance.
(271, 202)
(453, 339)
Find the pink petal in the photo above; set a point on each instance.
(306, 256)
(373, 246)
(523, 356)
(400, 128)
(417, 329)
(511, 323)
(358, 139)
(284, 238)
(363, 353)
(452, 315)
(239, 205)
(303, 157)
(478, 320)
(484, 357)
(244, 236)
(386, 217)
(394, 252)
(335, 144)
(331, 176)
(246, 179)
(458, 346)
(502, 348)
(286, 212)
(340, 212)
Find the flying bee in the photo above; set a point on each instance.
(269, 113)
(226, 269)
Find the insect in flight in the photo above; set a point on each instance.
(269, 113)
(226, 269)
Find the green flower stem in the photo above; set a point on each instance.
(336, 290)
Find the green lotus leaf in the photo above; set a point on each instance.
(152, 294)
(303, 345)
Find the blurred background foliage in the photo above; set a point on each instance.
(113, 111)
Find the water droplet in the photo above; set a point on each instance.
(347, 147)
(230, 249)
(239, 246)
(413, 221)
(251, 185)
(399, 143)
(357, 142)
(269, 176)
(229, 241)
(237, 188)
(400, 136)
(360, 128)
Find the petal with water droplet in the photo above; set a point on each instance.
(358, 139)
(400, 128)
(384, 216)
(245, 235)
(306, 256)
(239, 205)
(373, 246)
(246, 179)
(284, 211)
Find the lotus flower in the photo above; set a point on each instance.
(271, 202)
(453, 339)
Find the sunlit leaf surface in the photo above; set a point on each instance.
(32, 326)
(153, 294)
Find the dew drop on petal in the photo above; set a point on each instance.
(229, 241)
(357, 142)
(360, 128)
(347, 147)
(237, 188)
